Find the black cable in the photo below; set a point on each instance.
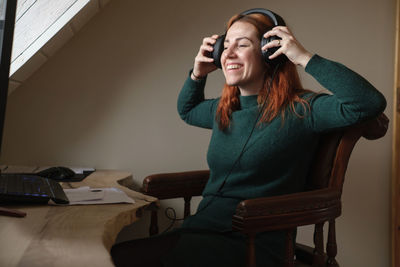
(252, 129)
(247, 140)
(174, 219)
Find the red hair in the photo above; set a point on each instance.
(286, 88)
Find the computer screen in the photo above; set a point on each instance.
(7, 22)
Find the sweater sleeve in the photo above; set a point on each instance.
(193, 108)
(353, 98)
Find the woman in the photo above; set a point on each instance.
(265, 129)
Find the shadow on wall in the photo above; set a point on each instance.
(107, 68)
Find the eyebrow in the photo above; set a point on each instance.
(238, 39)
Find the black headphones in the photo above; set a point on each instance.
(276, 20)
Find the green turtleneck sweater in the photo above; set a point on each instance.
(277, 157)
(275, 161)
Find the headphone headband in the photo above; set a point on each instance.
(276, 19)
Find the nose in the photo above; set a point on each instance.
(230, 51)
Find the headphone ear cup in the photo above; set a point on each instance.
(218, 49)
(266, 54)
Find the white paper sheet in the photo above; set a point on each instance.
(89, 196)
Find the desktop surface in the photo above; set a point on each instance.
(70, 235)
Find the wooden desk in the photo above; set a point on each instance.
(70, 235)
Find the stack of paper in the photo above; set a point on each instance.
(87, 196)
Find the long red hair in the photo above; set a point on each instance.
(286, 88)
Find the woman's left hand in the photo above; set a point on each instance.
(288, 46)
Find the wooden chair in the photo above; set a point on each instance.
(319, 204)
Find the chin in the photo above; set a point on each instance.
(232, 82)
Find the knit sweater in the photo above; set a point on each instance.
(278, 154)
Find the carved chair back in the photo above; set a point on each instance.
(328, 171)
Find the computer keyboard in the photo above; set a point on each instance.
(21, 188)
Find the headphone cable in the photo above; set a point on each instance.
(174, 219)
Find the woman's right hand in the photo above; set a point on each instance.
(203, 63)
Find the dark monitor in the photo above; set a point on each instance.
(41, 190)
(7, 22)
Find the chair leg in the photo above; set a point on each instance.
(187, 206)
(331, 247)
(289, 256)
(153, 223)
(251, 251)
(318, 259)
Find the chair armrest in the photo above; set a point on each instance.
(287, 211)
(173, 185)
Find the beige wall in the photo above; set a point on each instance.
(108, 98)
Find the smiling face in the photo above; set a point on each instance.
(242, 62)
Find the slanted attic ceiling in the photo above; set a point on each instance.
(41, 28)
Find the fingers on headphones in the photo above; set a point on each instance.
(277, 37)
(276, 54)
(277, 31)
(208, 43)
(203, 56)
(210, 40)
(272, 44)
(206, 49)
